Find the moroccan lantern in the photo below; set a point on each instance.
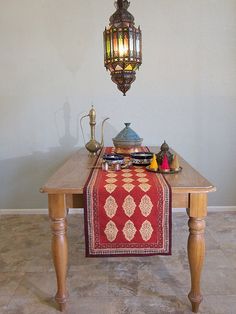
(122, 47)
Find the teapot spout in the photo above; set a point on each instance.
(102, 136)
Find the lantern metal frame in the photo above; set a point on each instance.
(122, 47)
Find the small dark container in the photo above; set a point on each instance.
(141, 158)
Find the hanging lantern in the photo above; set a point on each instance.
(122, 47)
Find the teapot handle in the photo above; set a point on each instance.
(87, 115)
(102, 135)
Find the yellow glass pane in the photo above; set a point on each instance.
(128, 68)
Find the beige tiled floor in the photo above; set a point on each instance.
(144, 285)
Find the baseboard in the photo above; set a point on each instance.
(44, 211)
(38, 211)
(211, 209)
(221, 208)
(8, 211)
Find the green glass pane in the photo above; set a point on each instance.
(108, 47)
(111, 41)
(104, 41)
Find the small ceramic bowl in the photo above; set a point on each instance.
(113, 159)
(141, 158)
(112, 162)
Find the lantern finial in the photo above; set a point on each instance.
(119, 4)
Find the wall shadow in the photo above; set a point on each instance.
(22, 177)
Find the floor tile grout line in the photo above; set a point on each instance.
(13, 295)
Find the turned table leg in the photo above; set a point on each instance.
(196, 246)
(58, 213)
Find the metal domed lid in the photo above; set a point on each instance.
(127, 135)
(165, 147)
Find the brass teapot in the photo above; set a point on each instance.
(93, 146)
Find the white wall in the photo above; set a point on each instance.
(51, 70)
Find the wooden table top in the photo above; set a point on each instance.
(71, 177)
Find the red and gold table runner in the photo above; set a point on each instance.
(127, 212)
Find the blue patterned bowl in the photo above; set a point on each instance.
(113, 159)
(142, 158)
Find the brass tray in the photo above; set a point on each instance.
(164, 172)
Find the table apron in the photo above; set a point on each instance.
(179, 200)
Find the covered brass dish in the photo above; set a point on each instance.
(127, 141)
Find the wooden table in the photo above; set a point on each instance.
(65, 190)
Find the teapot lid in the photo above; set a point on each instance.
(127, 134)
